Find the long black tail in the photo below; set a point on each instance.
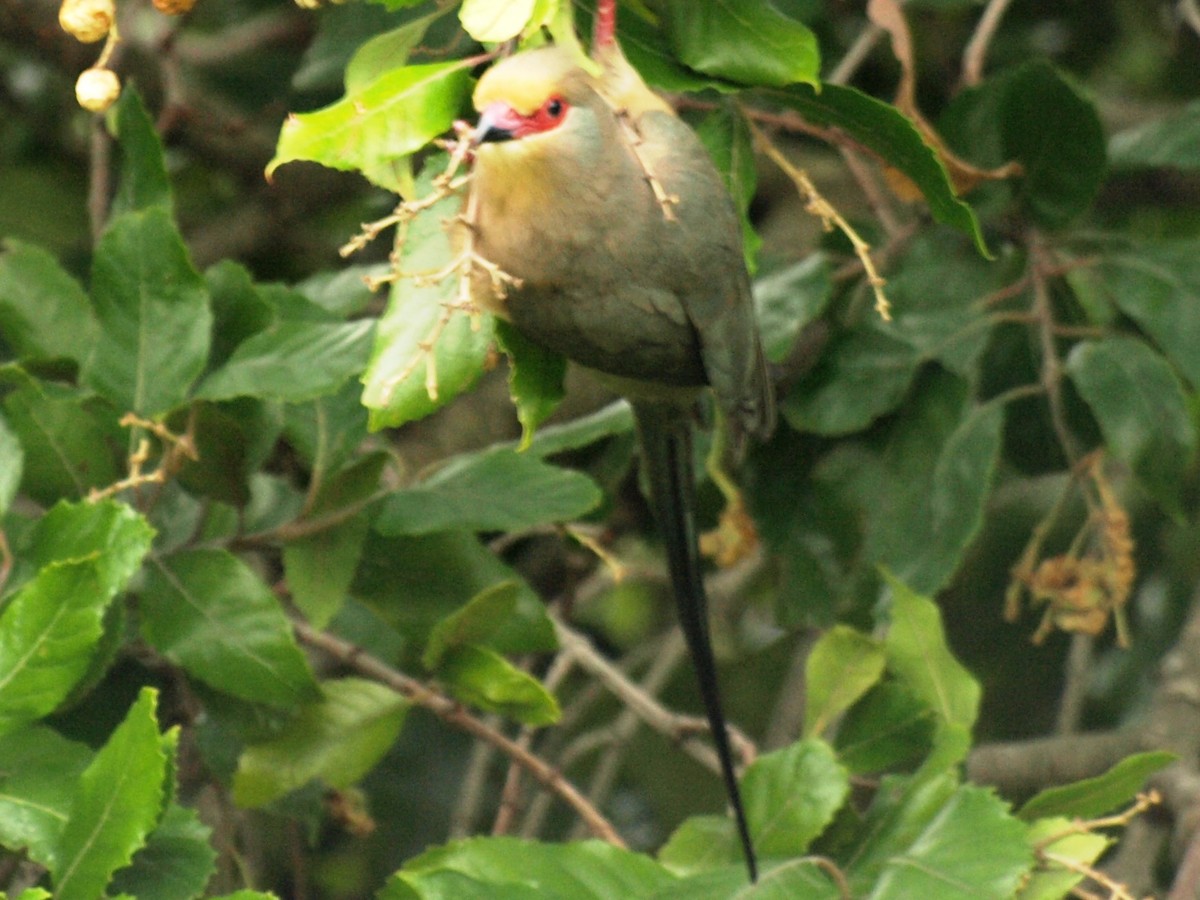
(666, 439)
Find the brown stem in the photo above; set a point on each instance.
(977, 47)
(455, 715)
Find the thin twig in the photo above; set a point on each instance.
(977, 48)
(458, 717)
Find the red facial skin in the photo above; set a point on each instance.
(500, 122)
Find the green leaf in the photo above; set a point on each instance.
(144, 182)
(176, 862)
(490, 22)
(209, 612)
(396, 381)
(535, 379)
(748, 41)
(478, 620)
(789, 299)
(293, 362)
(374, 128)
(154, 316)
(329, 430)
(44, 313)
(337, 739)
(971, 849)
(727, 138)
(67, 450)
(1054, 881)
(1173, 140)
(861, 376)
(239, 308)
(38, 772)
(791, 878)
(885, 130)
(510, 868)
(221, 470)
(320, 568)
(842, 666)
(919, 655)
(614, 419)
(1035, 116)
(791, 795)
(50, 628)
(12, 465)
(701, 844)
(888, 729)
(118, 800)
(1157, 284)
(497, 490)
(486, 680)
(1094, 797)
(1140, 406)
(935, 465)
(387, 51)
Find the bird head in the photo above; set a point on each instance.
(530, 95)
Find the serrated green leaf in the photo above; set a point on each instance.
(338, 739)
(749, 41)
(1140, 406)
(535, 379)
(496, 490)
(791, 795)
(842, 666)
(780, 881)
(588, 870)
(918, 654)
(293, 362)
(972, 848)
(153, 312)
(144, 182)
(886, 131)
(176, 862)
(395, 383)
(486, 680)
(491, 22)
(44, 313)
(1094, 797)
(479, 619)
(1053, 881)
(374, 128)
(67, 449)
(1173, 140)
(208, 612)
(50, 628)
(38, 772)
(117, 801)
(788, 299)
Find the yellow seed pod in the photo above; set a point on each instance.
(174, 7)
(87, 20)
(97, 89)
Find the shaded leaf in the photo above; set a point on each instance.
(496, 490)
(293, 362)
(117, 801)
(1094, 797)
(842, 666)
(535, 379)
(44, 313)
(144, 183)
(749, 41)
(337, 739)
(727, 138)
(478, 620)
(888, 729)
(38, 772)
(153, 312)
(789, 299)
(320, 568)
(1140, 406)
(486, 680)
(614, 419)
(12, 465)
(208, 612)
(1173, 140)
(176, 862)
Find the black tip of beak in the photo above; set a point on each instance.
(486, 133)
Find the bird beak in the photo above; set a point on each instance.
(497, 123)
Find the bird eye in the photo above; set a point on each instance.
(555, 107)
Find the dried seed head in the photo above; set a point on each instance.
(97, 89)
(87, 20)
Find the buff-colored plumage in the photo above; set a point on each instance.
(654, 299)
